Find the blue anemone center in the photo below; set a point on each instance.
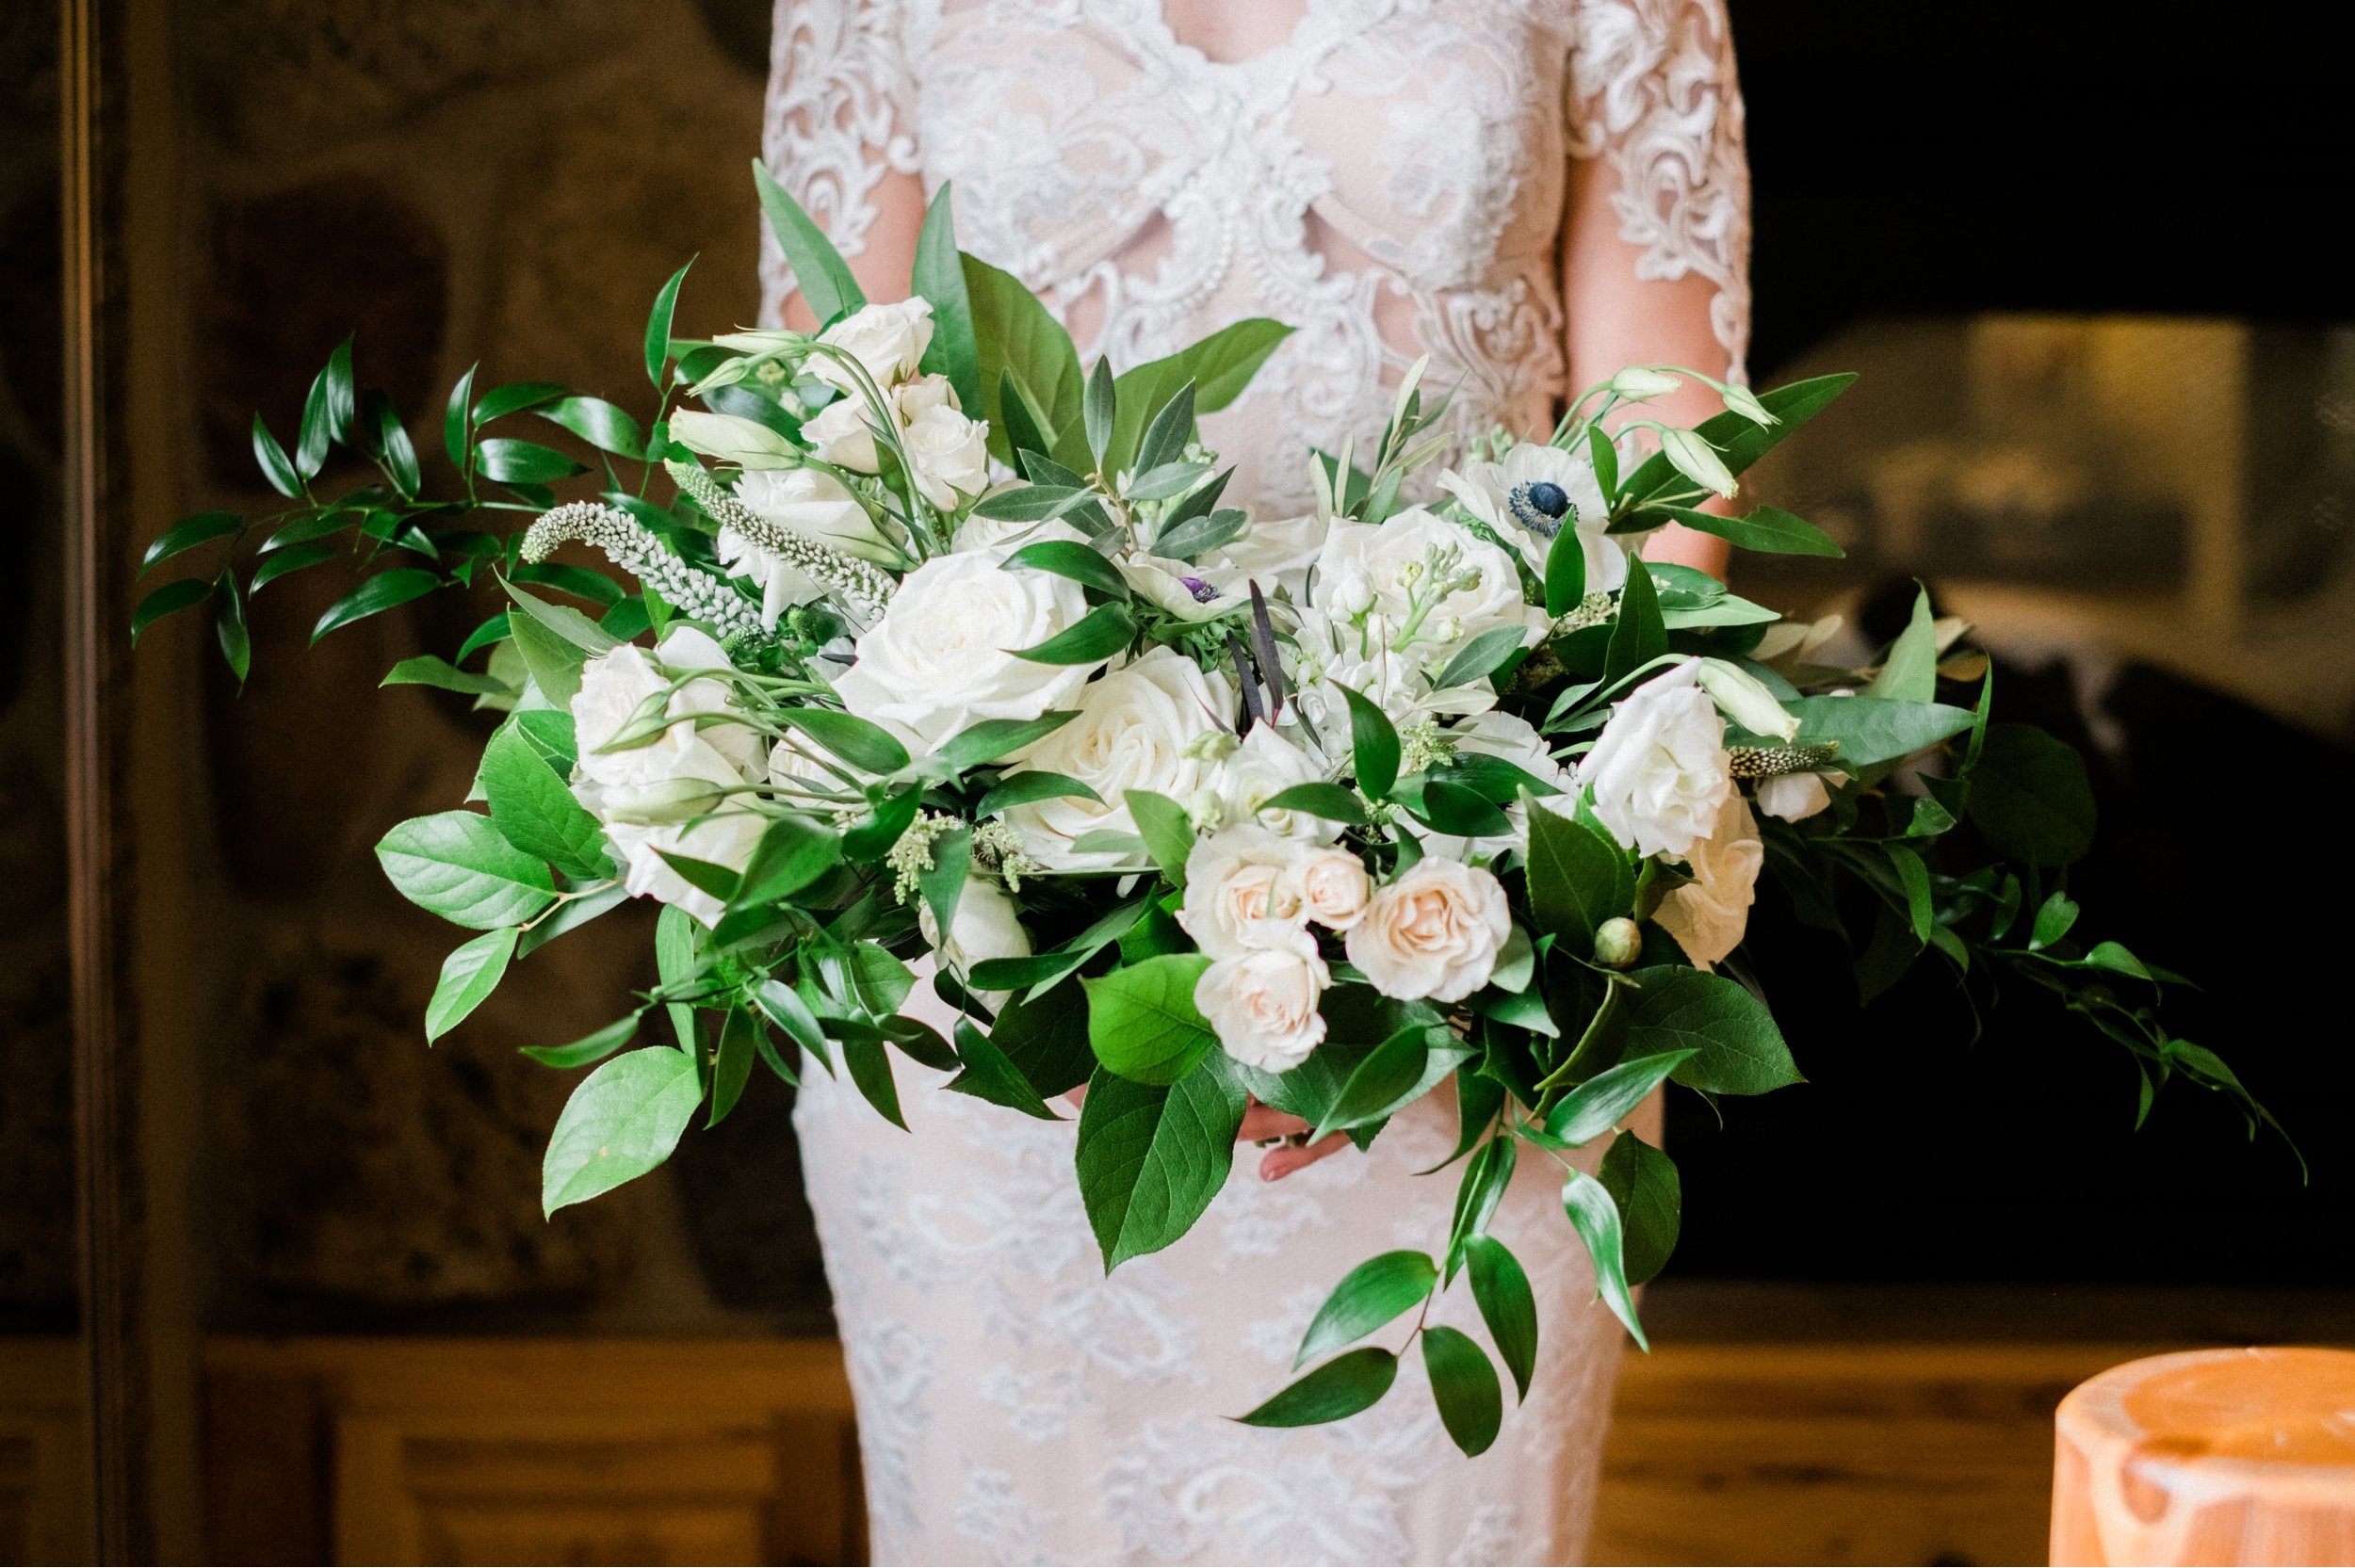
(1540, 506)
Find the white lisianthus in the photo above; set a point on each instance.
(889, 340)
(731, 438)
(1141, 727)
(1263, 766)
(1557, 489)
(1390, 568)
(1433, 934)
(1262, 1005)
(816, 505)
(1243, 893)
(843, 434)
(949, 455)
(1708, 914)
(1659, 771)
(1513, 739)
(985, 927)
(939, 660)
(1795, 797)
(1334, 888)
(1276, 554)
(923, 395)
(1188, 592)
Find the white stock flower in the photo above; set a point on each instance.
(1242, 892)
(939, 660)
(1334, 888)
(1659, 771)
(1396, 559)
(815, 504)
(1262, 1005)
(1434, 932)
(985, 925)
(843, 434)
(1265, 766)
(889, 340)
(1708, 914)
(1276, 554)
(1544, 478)
(949, 455)
(1138, 729)
(1795, 797)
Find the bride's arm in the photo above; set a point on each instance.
(1656, 225)
(840, 136)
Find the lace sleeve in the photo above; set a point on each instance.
(1655, 100)
(840, 118)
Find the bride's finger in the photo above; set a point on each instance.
(1280, 1163)
(1265, 1121)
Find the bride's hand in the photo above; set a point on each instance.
(1262, 1123)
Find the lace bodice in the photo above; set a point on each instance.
(1391, 181)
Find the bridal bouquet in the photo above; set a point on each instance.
(927, 643)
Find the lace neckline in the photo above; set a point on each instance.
(1268, 80)
(1194, 55)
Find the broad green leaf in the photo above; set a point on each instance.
(457, 430)
(1464, 1386)
(1483, 1187)
(433, 669)
(1385, 1081)
(1373, 746)
(989, 1075)
(1871, 729)
(1566, 571)
(2030, 798)
(554, 661)
(229, 628)
(469, 975)
(1067, 557)
(1219, 366)
(1098, 408)
(589, 1047)
(1014, 334)
(993, 738)
(1481, 656)
(678, 942)
(1332, 802)
(186, 594)
(535, 811)
(882, 981)
(658, 336)
(1578, 878)
(938, 276)
(1092, 638)
(2052, 921)
(1507, 1305)
(276, 467)
(819, 273)
(1449, 807)
(1597, 1106)
(1019, 788)
(494, 630)
(793, 852)
(1740, 441)
(732, 1065)
(1341, 1388)
(376, 594)
(600, 424)
(1910, 673)
(1768, 530)
(514, 398)
(1142, 1021)
(1166, 432)
(1914, 878)
(1738, 1050)
(1644, 1184)
(1638, 636)
(1046, 1039)
(622, 1121)
(870, 1067)
(1596, 1219)
(1167, 832)
(389, 441)
(456, 864)
(578, 581)
(1374, 1293)
(187, 534)
(1151, 1157)
(857, 742)
(511, 461)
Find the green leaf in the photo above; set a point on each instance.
(375, 596)
(574, 913)
(1019, 788)
(1097, 411)
(1166, 433)
(522, 462)
(1142, 1021)
(1639, 636)
(1566, 571)
(589, 1047)
(989, 1075)
(1046, 1039)
(1332, 802)
(236, 643)
(1769, 530)
(1464, 1386)
(1485, 1178)
(1871, 729)
(1375, 1292)
(2052, 921)
(1068, 557)
(1453, 808)
(1482, 655)
(2030, 797)
(469, 975)
(792, 853)
(2115, 957)
(600, 424)
(275, 466)
(938, 276)
(658, 333)
(1507, 1305)
(281, 563)
(494, 630)
(1017, 337)
(187, 534)
(622, 1121)
(1022, 432)
(1910, 673)
(1334, 1392)
(870, 1067)
(1741, 442)
(1151, 1157)
(1219, 366)
(1092, 638)
(389, 441)
(1914, 878)
(535, 811)
(1373, 746)
(1738, 1050)
(1167, 832)
(732, 1067)
(1596, 1219)
(457, 430)
(1382, 1083)
(185, 593)
(818, 270)
(554, 661)
(857, 742)
(456, 864)
(514, 398)
(1644, 1184)
(578, 581)
(1578, 878)
(783, 1006)
(1597, 1106)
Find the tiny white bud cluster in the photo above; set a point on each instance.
(696, 592)
(864, 587)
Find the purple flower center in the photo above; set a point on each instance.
(1202, 592)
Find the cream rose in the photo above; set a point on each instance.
(843, 434)
(938, 661)
(816, 505)
(1334, 888)
(1262, 1005)
(1262, 767)
(1659, 771)
(1433, 934)
(1389, 568)
(985, 927)
(1533, 495)
(1708, 914)
(1139, 728)
(1242, 892)
(949, 455)
(889, 340)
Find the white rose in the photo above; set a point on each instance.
(1262, 1005)
(1263, 766)
(1793, 797)
(949, 455)
(1433, 934)
(1512, 738)
(1277, 554)
(923, 395)
(732, 438)
(1334, 888)
(728, 836)
(1242, 894)
(1659, 771)
(617, 683)
(1554, 490)
(938, 660)
(815, 504)
(985, 927)
(889, 340)
(1708, 914)
(1138, 728)
(1399, 558)
(843, 434)
(1000, 536)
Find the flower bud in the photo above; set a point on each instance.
(1640, 384)
(1206, 811)
(1692, 456)
(1617, 943)
(732, 439)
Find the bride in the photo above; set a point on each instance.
(1532, 192)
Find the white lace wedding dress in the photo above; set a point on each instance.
(1390, 180)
